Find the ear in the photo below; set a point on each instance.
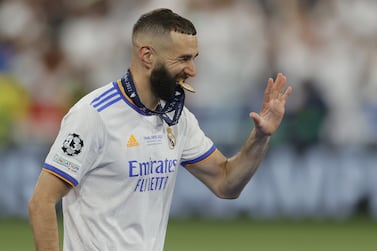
(145, 54)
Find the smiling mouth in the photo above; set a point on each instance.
(185, 85)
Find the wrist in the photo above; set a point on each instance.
(260, 136)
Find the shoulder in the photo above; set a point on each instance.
(98, 96)
(86, 107)
(95, 98)
(187, 117)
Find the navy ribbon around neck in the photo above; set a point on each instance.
(174, 104)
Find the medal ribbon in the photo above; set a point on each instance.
(174, 104)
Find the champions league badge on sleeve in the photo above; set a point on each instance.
(72, 145)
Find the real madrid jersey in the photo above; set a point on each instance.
(122, 165)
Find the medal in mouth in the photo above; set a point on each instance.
(185, 85)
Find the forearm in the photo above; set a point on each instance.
(45, 227)
(241, 167)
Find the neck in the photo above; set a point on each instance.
(170, 112)
(143, 89)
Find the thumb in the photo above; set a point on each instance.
(255, 117)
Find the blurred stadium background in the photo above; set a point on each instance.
(320, 176)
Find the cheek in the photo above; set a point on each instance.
(173, 65)
(176, 69)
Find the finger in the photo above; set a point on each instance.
(269, 90)
(276, 86)
(255, 117)
(280, 83)
(287, 93)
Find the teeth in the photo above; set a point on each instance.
(186, 86)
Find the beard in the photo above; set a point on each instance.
(162, 82)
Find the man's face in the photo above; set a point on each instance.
(175, 62)
(162, 82)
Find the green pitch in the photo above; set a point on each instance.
(246, 235)
(238, 235)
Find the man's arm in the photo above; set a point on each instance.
(227, 177)
(48, 191)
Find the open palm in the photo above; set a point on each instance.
(275, 96)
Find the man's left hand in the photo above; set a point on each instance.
(275, 96)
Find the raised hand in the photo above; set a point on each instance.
(273, 108)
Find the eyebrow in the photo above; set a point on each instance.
(188, 56)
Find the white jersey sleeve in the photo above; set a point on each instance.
(198, 147)
(77, 144)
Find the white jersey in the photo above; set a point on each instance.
(122, 165)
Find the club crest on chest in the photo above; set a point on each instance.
(171, 138)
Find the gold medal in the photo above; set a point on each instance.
(171, 138)
(186, 86)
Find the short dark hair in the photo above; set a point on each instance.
(163, 21)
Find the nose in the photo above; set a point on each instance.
(190, 69)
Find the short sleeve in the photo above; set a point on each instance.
(77, 145)
(198, 147)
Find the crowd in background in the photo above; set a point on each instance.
(53, 52)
